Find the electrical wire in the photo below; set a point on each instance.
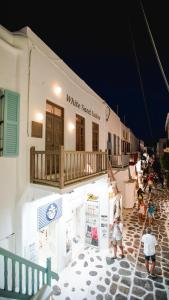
(154, 47)
(141, 82)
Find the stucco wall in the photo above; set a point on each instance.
(44, 76)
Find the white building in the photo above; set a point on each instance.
(52, 198)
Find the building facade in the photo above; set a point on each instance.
(56, 135)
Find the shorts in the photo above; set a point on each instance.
(152, 257)
(150, 215)
(117, 242)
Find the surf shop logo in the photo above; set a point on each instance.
(51, 211)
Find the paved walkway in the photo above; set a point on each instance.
(93, 276)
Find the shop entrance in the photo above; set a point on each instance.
(77, 230)
(48, 245)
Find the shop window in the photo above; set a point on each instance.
(9, 123)
(114, 144)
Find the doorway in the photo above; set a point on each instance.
(77, 230)
(48, 245)
(54, 135)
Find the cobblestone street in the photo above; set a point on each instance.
(93, 275)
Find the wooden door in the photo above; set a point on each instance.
(95, 136)
(54, 134)
(80, 133)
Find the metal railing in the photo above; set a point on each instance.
(21, 278)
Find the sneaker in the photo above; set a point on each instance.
(153, 275)
(114, 257)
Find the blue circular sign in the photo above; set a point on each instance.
(51, 211)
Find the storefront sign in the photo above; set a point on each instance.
(87, 110)
(49, 212)
(92, 222)
(91, 197)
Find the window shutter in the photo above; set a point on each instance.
(11, 123)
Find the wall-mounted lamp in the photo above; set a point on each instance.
(71, 126)
(57, 90)
(39, 117)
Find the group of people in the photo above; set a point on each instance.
(146, 208)
(146, 212)
(148, 240)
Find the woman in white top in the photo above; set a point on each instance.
(116, 236)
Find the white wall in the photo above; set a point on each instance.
(44, 76)
(113, 125)
(29, 67)
(121, 176)
(12, 182)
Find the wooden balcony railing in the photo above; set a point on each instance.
(60, 168)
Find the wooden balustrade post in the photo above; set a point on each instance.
(32, 164)
(122, 161)
(61, 166)
(100, 160)
(106, 159)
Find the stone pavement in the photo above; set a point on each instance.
(93, 275)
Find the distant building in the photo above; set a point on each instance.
(166, 149)
(167, 126)
(142, 146)
(161, 145)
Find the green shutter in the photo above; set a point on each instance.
(11, 123)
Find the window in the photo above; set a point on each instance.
(114, 144)
(109, 136)
(118, 145)
(80, 133)
(95, 136)
(9, 123)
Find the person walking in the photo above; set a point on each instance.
(140, 194)
(150, 211)
(116, 237)
(150, 243)
(150, 180)
(142, 211)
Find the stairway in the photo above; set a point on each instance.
(21, 278)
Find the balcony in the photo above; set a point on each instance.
(119, 161)
(61, 168)
(133, 158)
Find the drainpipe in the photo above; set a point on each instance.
(28, 91)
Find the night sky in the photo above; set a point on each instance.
(96, 43)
